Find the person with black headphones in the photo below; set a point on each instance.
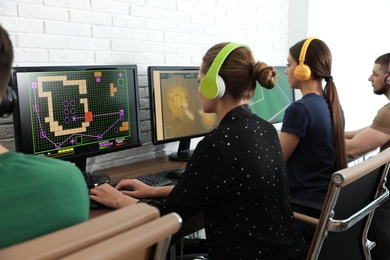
(369, 138)
(364, 140)
(38, 195)
(236, 174)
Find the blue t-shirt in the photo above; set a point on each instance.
(313, 161)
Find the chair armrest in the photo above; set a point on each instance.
(310, 208)
(301, 218)
(62, 242)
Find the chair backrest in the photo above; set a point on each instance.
(148, 241)
(353, 195)
(63, 242)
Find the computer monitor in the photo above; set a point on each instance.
(75, 112)
(270, 104)
(175, 111)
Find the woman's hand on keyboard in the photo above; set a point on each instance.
(138, 189)
(111, 197)
(141, 190)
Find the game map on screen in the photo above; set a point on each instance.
(74, 108)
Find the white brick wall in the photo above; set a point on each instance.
(142, 32)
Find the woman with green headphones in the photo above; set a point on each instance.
(236, 174)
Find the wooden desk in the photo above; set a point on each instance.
(146, 167)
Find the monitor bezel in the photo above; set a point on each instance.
(22, 104)
(281, 69)
(152, 97)
(279, 122)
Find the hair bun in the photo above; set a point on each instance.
(264, 74)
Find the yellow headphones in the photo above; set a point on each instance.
(302, 72)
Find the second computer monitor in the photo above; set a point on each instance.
(270, 104)
(176, 113)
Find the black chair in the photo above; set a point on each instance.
(353, 195)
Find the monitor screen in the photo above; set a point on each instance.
(75, 112)
(270, 104)
(176, 113)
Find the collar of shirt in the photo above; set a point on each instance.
(236, 113)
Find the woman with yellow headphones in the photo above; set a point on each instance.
(312, 133)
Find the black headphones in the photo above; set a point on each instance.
(386, 78)
(8, 102)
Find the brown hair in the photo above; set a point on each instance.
(319, 59)
(6, 58)
(240, 71)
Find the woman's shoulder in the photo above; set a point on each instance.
(299, 106)
(309, 101)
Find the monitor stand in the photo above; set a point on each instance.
(183, 153)
(92, 179)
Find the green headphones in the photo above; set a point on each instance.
(212, 85)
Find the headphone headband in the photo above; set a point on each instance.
(304, 48)
(212, 85)
(222, 55)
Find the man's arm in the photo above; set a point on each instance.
(366, 140)
(352, 134)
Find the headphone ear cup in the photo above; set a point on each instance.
(7, 104)
(302, 72)
(212, 89)
(221, 87)
(386, 79)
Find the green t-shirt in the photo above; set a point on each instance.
(39, 195)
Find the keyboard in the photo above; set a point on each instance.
(154, 180)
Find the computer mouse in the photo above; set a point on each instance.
(128, 188)
(175, 174)
(95, 205)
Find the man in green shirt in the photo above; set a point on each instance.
(38, 195)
